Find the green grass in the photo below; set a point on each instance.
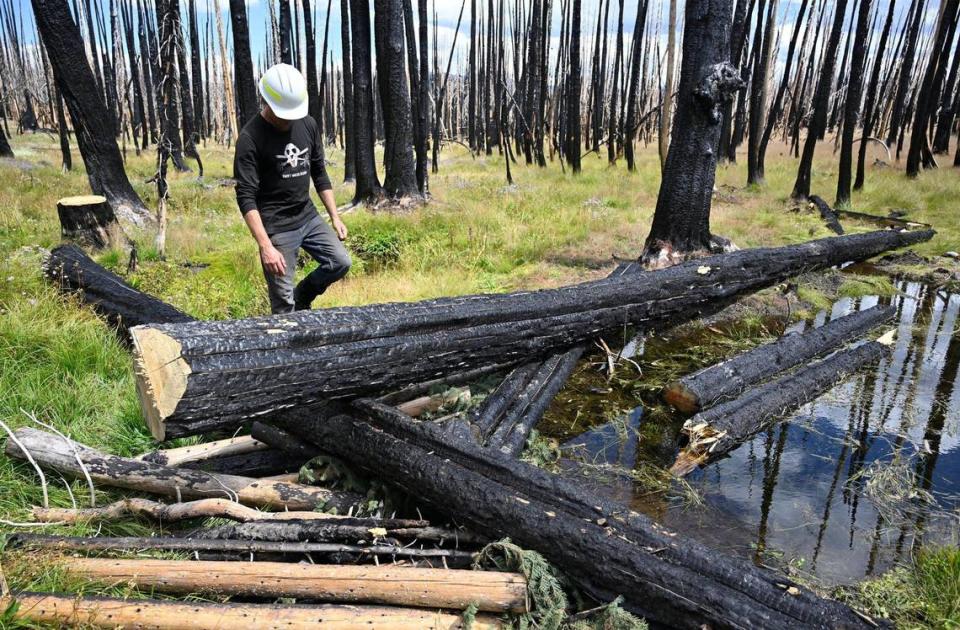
(924, 595)
(61, 363)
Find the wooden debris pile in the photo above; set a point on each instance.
(347, 383)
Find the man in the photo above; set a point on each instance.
(277, 154)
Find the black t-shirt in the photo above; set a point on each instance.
(273, 170)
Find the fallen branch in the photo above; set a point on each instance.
(197, 377)
(175, 512)
(245, 547)
(204, 451)
(827, 214)
(327, 531)
(131, 474)
(400, 586)
(718, 430)
(64, 611)
(729, 379)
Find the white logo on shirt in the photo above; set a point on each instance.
(292, 156)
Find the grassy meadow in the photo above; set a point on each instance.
(477, 234)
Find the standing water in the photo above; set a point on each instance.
(843, 488)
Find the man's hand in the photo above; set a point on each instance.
(273, 261)
(340, 228)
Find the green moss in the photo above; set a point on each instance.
(859, 286)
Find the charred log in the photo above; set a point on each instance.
(732, 378)
(122, 305)
(185, 371)
(720, 429)
(827, 214)
(664, 578)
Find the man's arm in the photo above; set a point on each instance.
(273, 261)
(318, 171)
(248, 183)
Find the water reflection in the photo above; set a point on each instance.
(852, 482)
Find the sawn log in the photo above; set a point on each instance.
(196, 377)
(731, 378)
(101, 612)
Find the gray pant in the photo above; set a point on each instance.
(318, 239)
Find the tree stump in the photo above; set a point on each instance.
(90, 221)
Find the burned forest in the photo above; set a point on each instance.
(560, 314)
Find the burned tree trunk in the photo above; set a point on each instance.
(368, 188)
(90, 221)
(349, 116)
(758, 94)
(122, 305)
(821, 103)
(681, 223)
(851, 115)
(5, 150)
(243, 65)
(286, 33)
(95, 134)
(671, 581)
(871, 99)
(719, 430)
(185, 371)
(631, 121)
(76, 460)
(572, 148)
(732, 378)
(400, 174)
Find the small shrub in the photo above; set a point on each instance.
(377, 247)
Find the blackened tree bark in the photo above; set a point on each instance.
(851, 114)
(472, 89)
(738, 38)
(286, 33)
(88, 112)
(243, 64)
(948, 107)
(5, 150)
(871, 100)
(169, 121)
(758, 95)
(187, 119)
(906, 73)
(147, 72)
(776, 105)
(920, 154)
(573, 92)
(666, 107)
(139, 120)
(313, 88)
(66, 160)
(368, 188)
(423, 107)
(349, 134)
(196, 71)
(400, 178)
(821, 103)
(613, 130)
(636, 57)
(681, 223)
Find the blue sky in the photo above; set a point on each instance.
(447, 11)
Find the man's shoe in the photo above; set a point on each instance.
(301, 301)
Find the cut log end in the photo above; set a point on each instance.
(681, 398)
(161, 376)
(89, 220)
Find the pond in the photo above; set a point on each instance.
(844, 488)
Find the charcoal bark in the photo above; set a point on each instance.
(228, 372)
(123, 306)
(717, 431)
(243, 64)
(607, 549)
(89, 221)
(729, 379)
(92, 123)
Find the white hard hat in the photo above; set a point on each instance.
(285, 91)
